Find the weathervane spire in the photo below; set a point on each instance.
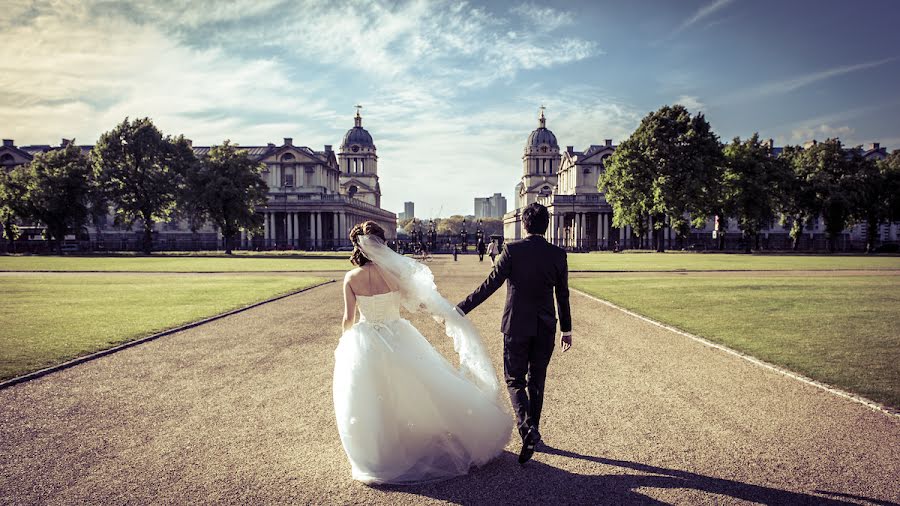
(542, 120)
(358, 119)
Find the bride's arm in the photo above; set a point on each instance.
(349, 304)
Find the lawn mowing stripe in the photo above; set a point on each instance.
(750, 358)
(97, 354)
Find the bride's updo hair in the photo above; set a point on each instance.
(365, 228)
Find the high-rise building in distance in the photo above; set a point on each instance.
(490, 207)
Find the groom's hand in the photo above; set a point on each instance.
(566, 341)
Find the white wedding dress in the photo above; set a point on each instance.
(404, 413)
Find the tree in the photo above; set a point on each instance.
(225, 188)
(797, 202)
(875, 194)
(752, 181)
(11, 192)
(668, 170)
(57, 189)
(831, 174)
(141, 173)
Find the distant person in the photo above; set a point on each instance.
(455, 252)
(493, 251)
(482, 249)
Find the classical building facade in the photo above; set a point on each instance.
(315, 197)
(581, 218)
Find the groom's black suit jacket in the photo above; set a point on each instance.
(534, 269)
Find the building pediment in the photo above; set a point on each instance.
(301, 155)
(11, 155)
(595, 154)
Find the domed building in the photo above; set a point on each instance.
(540, 165)
(566, 183)
(359, 165)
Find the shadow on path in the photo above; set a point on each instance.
(504, 481)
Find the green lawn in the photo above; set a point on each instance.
(47, 319)
(169, 263)
(724, 262)
(843, 331)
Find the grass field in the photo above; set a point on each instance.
(170, 263)
(47, 319)
(617, 262)
(843, 331)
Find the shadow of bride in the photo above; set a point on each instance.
(504, 481)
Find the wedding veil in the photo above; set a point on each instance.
(415, 283)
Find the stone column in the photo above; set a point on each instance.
(289, 223)
(336, 229)
(266, 229)
(318, 230)
(342, 221)
(312, 229)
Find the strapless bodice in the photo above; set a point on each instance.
(381, 308)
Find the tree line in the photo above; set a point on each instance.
(674, 172)
(143, 176)
(454, 225)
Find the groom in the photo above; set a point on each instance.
(534, 270)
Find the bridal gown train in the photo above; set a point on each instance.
(404, 413)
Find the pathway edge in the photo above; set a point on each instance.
(869, 403)
(97, 354)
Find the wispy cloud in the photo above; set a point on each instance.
(788, 85)
(702, 13)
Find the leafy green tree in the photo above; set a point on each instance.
(832, 174)
(225, 188)
(752, 182)
(875, 195)
(11, 192)
(57, 189)
(141, 173)
(669, 170)
(797, 202)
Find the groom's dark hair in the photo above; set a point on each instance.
(536, 219)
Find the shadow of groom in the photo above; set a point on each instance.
(504, 481)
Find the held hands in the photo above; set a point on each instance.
(566, 341)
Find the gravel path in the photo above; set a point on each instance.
(240, 411)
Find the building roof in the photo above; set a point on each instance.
(542, 135)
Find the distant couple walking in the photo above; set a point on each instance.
(404, 413)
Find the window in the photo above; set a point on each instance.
(6, 158)
(288, 179)
(287, 157)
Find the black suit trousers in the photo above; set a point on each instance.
(525, 360)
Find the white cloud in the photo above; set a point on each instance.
(78, 75)
(692, 103)
(820, 132)
(543, 18)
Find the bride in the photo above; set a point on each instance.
(404, 414)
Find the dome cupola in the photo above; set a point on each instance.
(357, 137)
(542, 136)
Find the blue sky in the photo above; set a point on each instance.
(450, 89)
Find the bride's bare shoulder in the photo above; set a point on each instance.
(352, 273)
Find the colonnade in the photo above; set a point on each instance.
(307, 229)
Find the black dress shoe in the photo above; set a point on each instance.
(528, 444)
